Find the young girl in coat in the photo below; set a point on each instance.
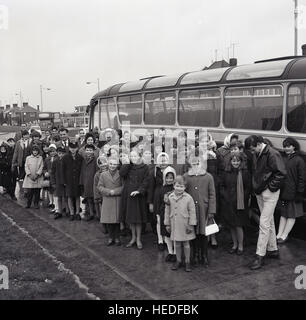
(292, 192)
(110, 186)
(180, 221)
(200, 185)
(134, 202)
(169, 176)
(33, 178)
(235, 189)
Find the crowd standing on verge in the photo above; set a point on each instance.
(113, 174)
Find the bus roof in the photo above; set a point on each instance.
(279, 68)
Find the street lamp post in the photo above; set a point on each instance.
(296, 15)
(41, 96)
(97, 82)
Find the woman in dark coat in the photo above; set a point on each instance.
(72, 165)
(235, 189)
(134, 202)
(5, 169)
(292, 192)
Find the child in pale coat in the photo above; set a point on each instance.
(110, 186)
(180, 221)
(33, 179)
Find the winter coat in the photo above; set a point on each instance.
(268, 170)
(33, 165)
(202, 189)
(294, 182)
(228, 192)
(5, 170)
(180, 215)
(20, 153)
(57, 177)
(111, 203)
(88, 171)
(72, 172)
(136, 178)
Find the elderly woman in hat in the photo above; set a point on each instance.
(33, 179)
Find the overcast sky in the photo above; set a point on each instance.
(62, 44)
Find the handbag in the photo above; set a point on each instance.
(211, 228)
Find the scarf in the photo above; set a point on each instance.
(240, 191)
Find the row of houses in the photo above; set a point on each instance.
(12, 115)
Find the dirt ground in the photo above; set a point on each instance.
(33, 244)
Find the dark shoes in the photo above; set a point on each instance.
(71, 218)
(282, 241)
(257, 263)
(77, 217)
(117, 242)
(88, 218)
(272, 254)
(130, 244)
(239, 252)
(36, 206)
(214, 246)
(110, 242)
(28, 206)
(57, 216)
(176, 265)
(187, 267)
(168, 258)
(161, 247)
(232, 250)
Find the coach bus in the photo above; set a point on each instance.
(266, 98)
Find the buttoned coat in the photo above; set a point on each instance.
(72, 172)
(111, 203)
(57, 177)
(88, 171)
(202, 189)
(180, 215)
(33, 165)
(136, 178)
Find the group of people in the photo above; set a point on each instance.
(127, 182)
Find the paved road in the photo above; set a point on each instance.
(121, 273)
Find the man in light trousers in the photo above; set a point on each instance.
(267, 176)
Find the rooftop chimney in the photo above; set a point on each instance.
(38, 107)
(233, 62)
(15, 105)
(8, 107)
(25, 104)
(304, 49)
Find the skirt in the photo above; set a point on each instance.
(292, 210)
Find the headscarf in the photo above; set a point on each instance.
(166, 171)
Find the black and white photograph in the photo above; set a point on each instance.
(152, 153)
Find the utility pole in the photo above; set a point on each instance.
(296, 15)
